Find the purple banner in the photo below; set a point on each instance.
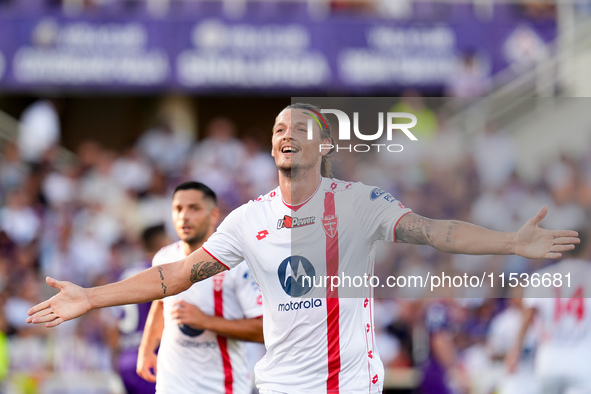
(271, 50)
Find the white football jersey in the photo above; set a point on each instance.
(197, 361)
(565, 314)
(317, 340)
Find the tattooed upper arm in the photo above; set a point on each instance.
(415, 229)
(205, 269)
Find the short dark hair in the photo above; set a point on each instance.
(326, 127)
(150, 237)
(208, 194)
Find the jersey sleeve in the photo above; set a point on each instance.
(380, 212)
(159, 258)
(226, 244)
(247, 291)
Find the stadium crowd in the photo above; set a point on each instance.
(80, 220)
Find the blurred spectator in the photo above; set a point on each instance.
(495, 156)
(389, 346)
(26, 294)
(442, 370)
(13, 171)
(18, 219)
(259, 174)
(165, 146)
(470, 79)
(218, 158)
(60, 187)
(132, 172)
(489, 210)
(427, 122)
(39, 130)
(560, 177)
(97, 185)
(154, 206)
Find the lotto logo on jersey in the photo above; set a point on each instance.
(289, 222)
(296, 275)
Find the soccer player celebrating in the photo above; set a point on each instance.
(198, 330)
(313, 344)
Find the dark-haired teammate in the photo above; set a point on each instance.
(321, 344)
(198, 330)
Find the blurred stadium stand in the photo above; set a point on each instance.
(532, 79)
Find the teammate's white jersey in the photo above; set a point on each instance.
(196, 361)
(314, 344)
(502, 336)
(565, 312)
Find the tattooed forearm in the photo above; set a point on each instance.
(448, 235)
(416, 231)
(450, 228)
(164, 287)
(205, 269)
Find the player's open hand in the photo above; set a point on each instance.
(68, 304)
(189, 314)
(534, 242)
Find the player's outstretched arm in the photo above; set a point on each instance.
(154, 283)
(452, 236)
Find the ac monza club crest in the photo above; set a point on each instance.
(330, 225)
(218, 281)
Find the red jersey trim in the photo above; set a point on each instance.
(223, 341)
(332, 302)
(403, 215)
(296, 207)
(215, 258)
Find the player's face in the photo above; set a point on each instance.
(193, 216)
(291, 148)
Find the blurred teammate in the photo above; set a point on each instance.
(308, 227)
(502, 336)
(133, 317)
(442, 371)
(198, 329)
(563, 357)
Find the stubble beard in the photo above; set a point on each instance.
(294, 172)
(195, 240)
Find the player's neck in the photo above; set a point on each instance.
(296, 191)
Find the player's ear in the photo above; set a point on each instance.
(327, 146)
(214, 216)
